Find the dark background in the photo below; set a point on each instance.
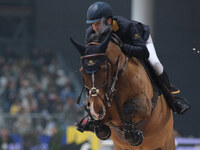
(176, 34)
(50, 23)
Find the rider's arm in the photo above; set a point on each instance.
(139, 51)
(137, 48)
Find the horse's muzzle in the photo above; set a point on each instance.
(97, 115)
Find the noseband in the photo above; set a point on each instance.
(128, 125)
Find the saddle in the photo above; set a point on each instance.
(154, 78)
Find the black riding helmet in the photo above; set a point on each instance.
(97, 11)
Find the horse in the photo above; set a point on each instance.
(122, 100)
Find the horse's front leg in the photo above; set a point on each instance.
(140, 109)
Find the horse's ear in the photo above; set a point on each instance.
(104, 44)
(78, 46)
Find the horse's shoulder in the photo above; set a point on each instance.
(148, 70)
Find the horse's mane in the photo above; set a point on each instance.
(102, 33)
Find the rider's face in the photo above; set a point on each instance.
(96, 26)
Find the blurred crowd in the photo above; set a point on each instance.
(34, 83)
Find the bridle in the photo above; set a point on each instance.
(112, 77)
(111, 80)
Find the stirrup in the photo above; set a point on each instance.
(181, 105)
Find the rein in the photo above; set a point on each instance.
(110, 93)
(127, 124)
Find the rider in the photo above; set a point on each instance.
(137, 43)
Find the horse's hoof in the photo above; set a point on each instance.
(103, 132)
(135, 137)
(138, 138)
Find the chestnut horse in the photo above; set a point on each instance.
(121, 96)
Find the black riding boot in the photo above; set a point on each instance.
(177, 104)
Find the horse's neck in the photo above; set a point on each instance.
(132, 82)
(135, 74)
(133, 70)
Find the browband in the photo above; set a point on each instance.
(93, 55)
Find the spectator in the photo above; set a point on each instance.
(10, 96)
(53, 98)
(5, 140)
(61, 78)
(15, 107)
(23, 123)
(25, 88)
(29, 103)
(34, 83)
(66, 92)
(70, 110)
(43, 104)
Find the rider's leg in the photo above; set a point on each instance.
(153, 58)
(176, 105)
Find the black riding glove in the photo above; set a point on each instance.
(138, 51)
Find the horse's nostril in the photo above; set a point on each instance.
(101, 111)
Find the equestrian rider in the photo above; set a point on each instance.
(137, 42)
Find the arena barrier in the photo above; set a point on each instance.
(90, 141)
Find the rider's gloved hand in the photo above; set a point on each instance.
(124, 50)
(138, 51)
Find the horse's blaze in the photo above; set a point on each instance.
(97, 109)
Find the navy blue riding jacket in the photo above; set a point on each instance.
(133, 34)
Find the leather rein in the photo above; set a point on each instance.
(111, 88)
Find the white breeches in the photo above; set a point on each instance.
(153, 58)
